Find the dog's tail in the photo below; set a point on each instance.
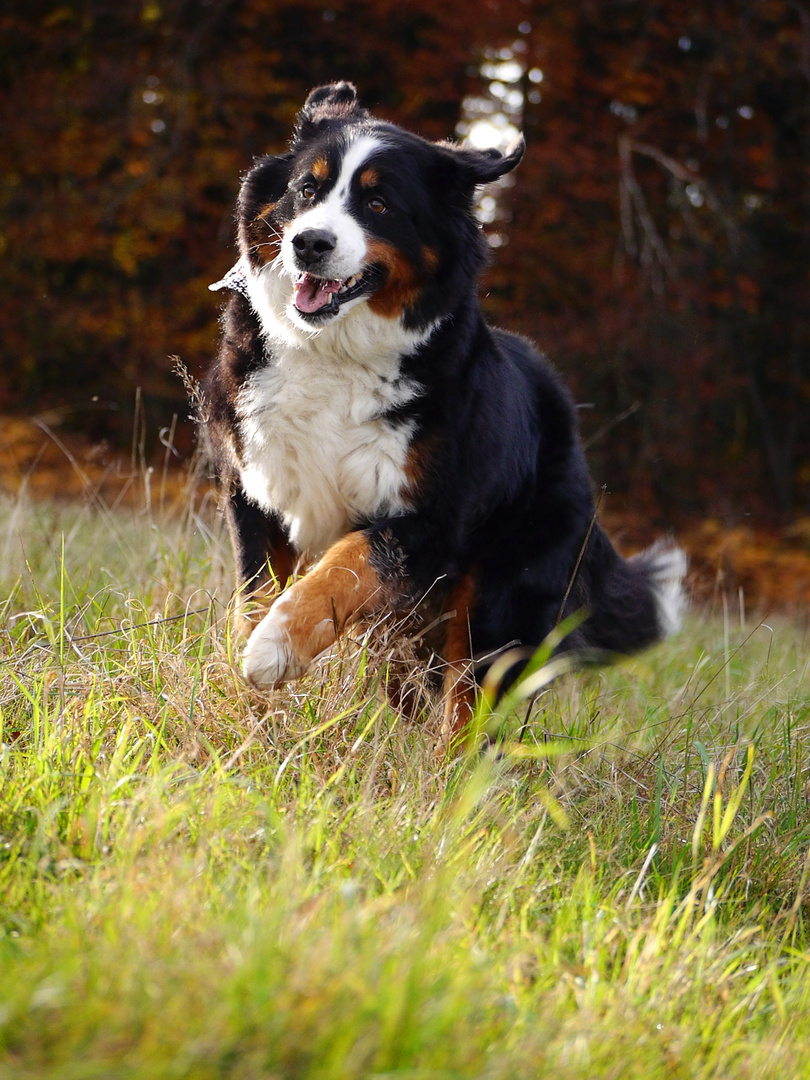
(664, 567)
(631, 603)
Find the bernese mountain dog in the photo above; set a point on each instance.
(381, 447)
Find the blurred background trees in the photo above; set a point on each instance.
(655, 241)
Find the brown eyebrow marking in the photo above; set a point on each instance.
(369, 177)
(320, 169)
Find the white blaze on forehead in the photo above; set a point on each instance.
(333, 214)
(357, 154)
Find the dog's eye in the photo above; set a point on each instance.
(377, 205)
(308, 191)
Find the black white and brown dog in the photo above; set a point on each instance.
(380, 445)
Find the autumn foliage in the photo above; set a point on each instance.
(656, 241)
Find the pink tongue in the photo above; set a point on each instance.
(311, 293)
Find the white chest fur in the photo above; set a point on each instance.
(315, 446)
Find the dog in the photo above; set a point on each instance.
(381, 446)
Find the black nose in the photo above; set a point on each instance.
(313, 244)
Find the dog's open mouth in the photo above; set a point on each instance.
(316, 296)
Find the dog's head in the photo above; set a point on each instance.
(360, 212)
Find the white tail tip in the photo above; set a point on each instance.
(667, 568)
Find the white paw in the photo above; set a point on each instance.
(269, 658)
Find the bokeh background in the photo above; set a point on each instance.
(655, 241)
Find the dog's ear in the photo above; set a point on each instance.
(263, 185)
(483, 166)
(328, 104)
(266, 181)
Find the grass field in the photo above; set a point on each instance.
(196, 881)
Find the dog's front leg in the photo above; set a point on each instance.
(346, 584)
(264, 558)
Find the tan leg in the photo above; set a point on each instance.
(458, 683)
(306, 619)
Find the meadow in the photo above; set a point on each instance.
(199, 881)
